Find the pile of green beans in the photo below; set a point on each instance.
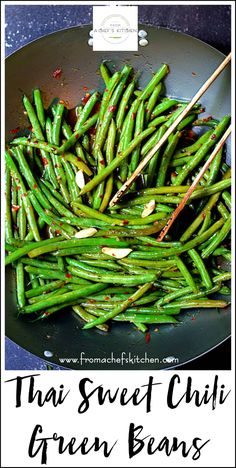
(60, 178)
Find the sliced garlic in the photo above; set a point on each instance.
(116, 253)
(79, 179)
(85, 233)
(148, 208)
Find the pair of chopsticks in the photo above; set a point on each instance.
(152, 152)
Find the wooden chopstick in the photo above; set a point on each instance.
(194, 184)
(151, 153)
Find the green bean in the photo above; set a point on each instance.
(57, 122)
(21, 219)
(34, 143)
(198, 220)
(116, 162)
(39, 108)
(159, 120)
(52, 286)
(208, 122)
(221, 277)
(139, 126)
(159, 75)
(185, 122)
(9, 207)
(194, 255)
(186, 274)
(206, 223)
(26, 202)
(127, 137)
(98, 193)
(30, 235)
(165, 160)
(33, 118)
(152, 101)
(72, 186)
(227, 198)
(109, 156)
(64, 298)
(218, 239)
(20, 286)
(202, 151)
(39, 263)
(34, 282)
(163, 106)
(109, 265)
(88, 317)
(188, 150)
(114, 80)
(51, 274)
(77, 134)
(46, 185)
(58, 292)
(24, 168)
(200, 303)
(50, 219)
(87, 109)
(122, 106)
(121, 307)
(51, 247)
(214, 168)
(105, 72)
(128, 280)
(223, 210)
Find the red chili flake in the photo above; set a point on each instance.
(91, 301)
(105, 237)
(213, 136)
(174, 174)
(76, 135)
(35, 186)
(133, 115)
(15, 130)
(85, 88)
(57, 232)
(18, 187)
(46, 313)
(191, 134)
(44, 161)
(62, 102)
(106, 89)
(24, 195)
(149, 245)
(147, 337)
(125, 221)
(57, 73)
(36, 142)
(193, 318)
(113, 255)
(207, 118)
(96, 107)
(194, 74)
(92, 130)
(30, 128)
(111, 108)
(85, 98)
(203, 215)
(68, 275)
(102, 162)
(107, 298)
(15, 207)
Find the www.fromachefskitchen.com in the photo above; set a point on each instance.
(122, 359)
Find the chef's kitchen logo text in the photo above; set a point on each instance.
(117, 30)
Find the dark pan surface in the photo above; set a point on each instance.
(191, 63)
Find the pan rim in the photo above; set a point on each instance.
(83, 26)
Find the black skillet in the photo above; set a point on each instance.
(191, 63)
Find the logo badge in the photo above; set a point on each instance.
(115, 28)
